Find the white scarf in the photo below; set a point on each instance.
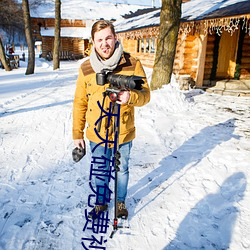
(98, 64)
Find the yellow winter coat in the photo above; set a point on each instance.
(88, 93)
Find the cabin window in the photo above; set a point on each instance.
(146, 45)
(140, 45)
(152, 45)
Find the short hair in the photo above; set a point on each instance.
(102, 24)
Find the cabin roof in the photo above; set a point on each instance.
(193, 10)
(84, 10)
(140, 21)
(208, 9)
(77, 32)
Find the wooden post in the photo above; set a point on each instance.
(201, 60)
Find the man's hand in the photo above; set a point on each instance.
(78, 152)
(79, 143)
(123, 97)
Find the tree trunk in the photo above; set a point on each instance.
(168, 34)
(56, 59)
(3, 57)
(28, 33)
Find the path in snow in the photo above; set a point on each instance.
(189, 170)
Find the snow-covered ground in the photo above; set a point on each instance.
(189, 168)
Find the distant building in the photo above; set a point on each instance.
(77, 19)
(75, 36)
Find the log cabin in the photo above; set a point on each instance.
(77, 17)
(74, 37)
(213, 41)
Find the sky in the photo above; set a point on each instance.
(189, 168)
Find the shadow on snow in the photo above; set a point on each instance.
(23, 110)
(190, 153)
(210, 223)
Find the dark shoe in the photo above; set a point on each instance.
(96, 210)
(122, 211)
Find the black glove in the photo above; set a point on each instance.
(78, 153)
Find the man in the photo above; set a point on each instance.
(107, 54)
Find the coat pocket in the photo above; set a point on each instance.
(127, 120)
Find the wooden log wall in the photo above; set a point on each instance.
(209, 58)
(186, 55)
(79, 46)
(146, 59)
(190, 56)
(47, 45)
(178, 61)
(131, 46)
(50, 22)
(185, 59)
(66, 44)
(73, 45)
(245, 60)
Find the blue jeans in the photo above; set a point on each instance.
(123, 174)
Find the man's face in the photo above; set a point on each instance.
(104, 42)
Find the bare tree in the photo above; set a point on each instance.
(168, 34)
(28, 33)
(11, 16)
(11, 24)
(56, 59)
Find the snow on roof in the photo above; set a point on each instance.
(192, 10)
(85, 10)
(79, 32)
(145, 20)
(197, 9)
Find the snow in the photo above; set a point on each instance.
(81, 32)
(86, 10)
(197, 9)
(91, 10)
(155, 3)
(189, 168)
(192, 10)
(145, 20)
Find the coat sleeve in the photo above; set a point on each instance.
(139, 98)
(80, 105)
